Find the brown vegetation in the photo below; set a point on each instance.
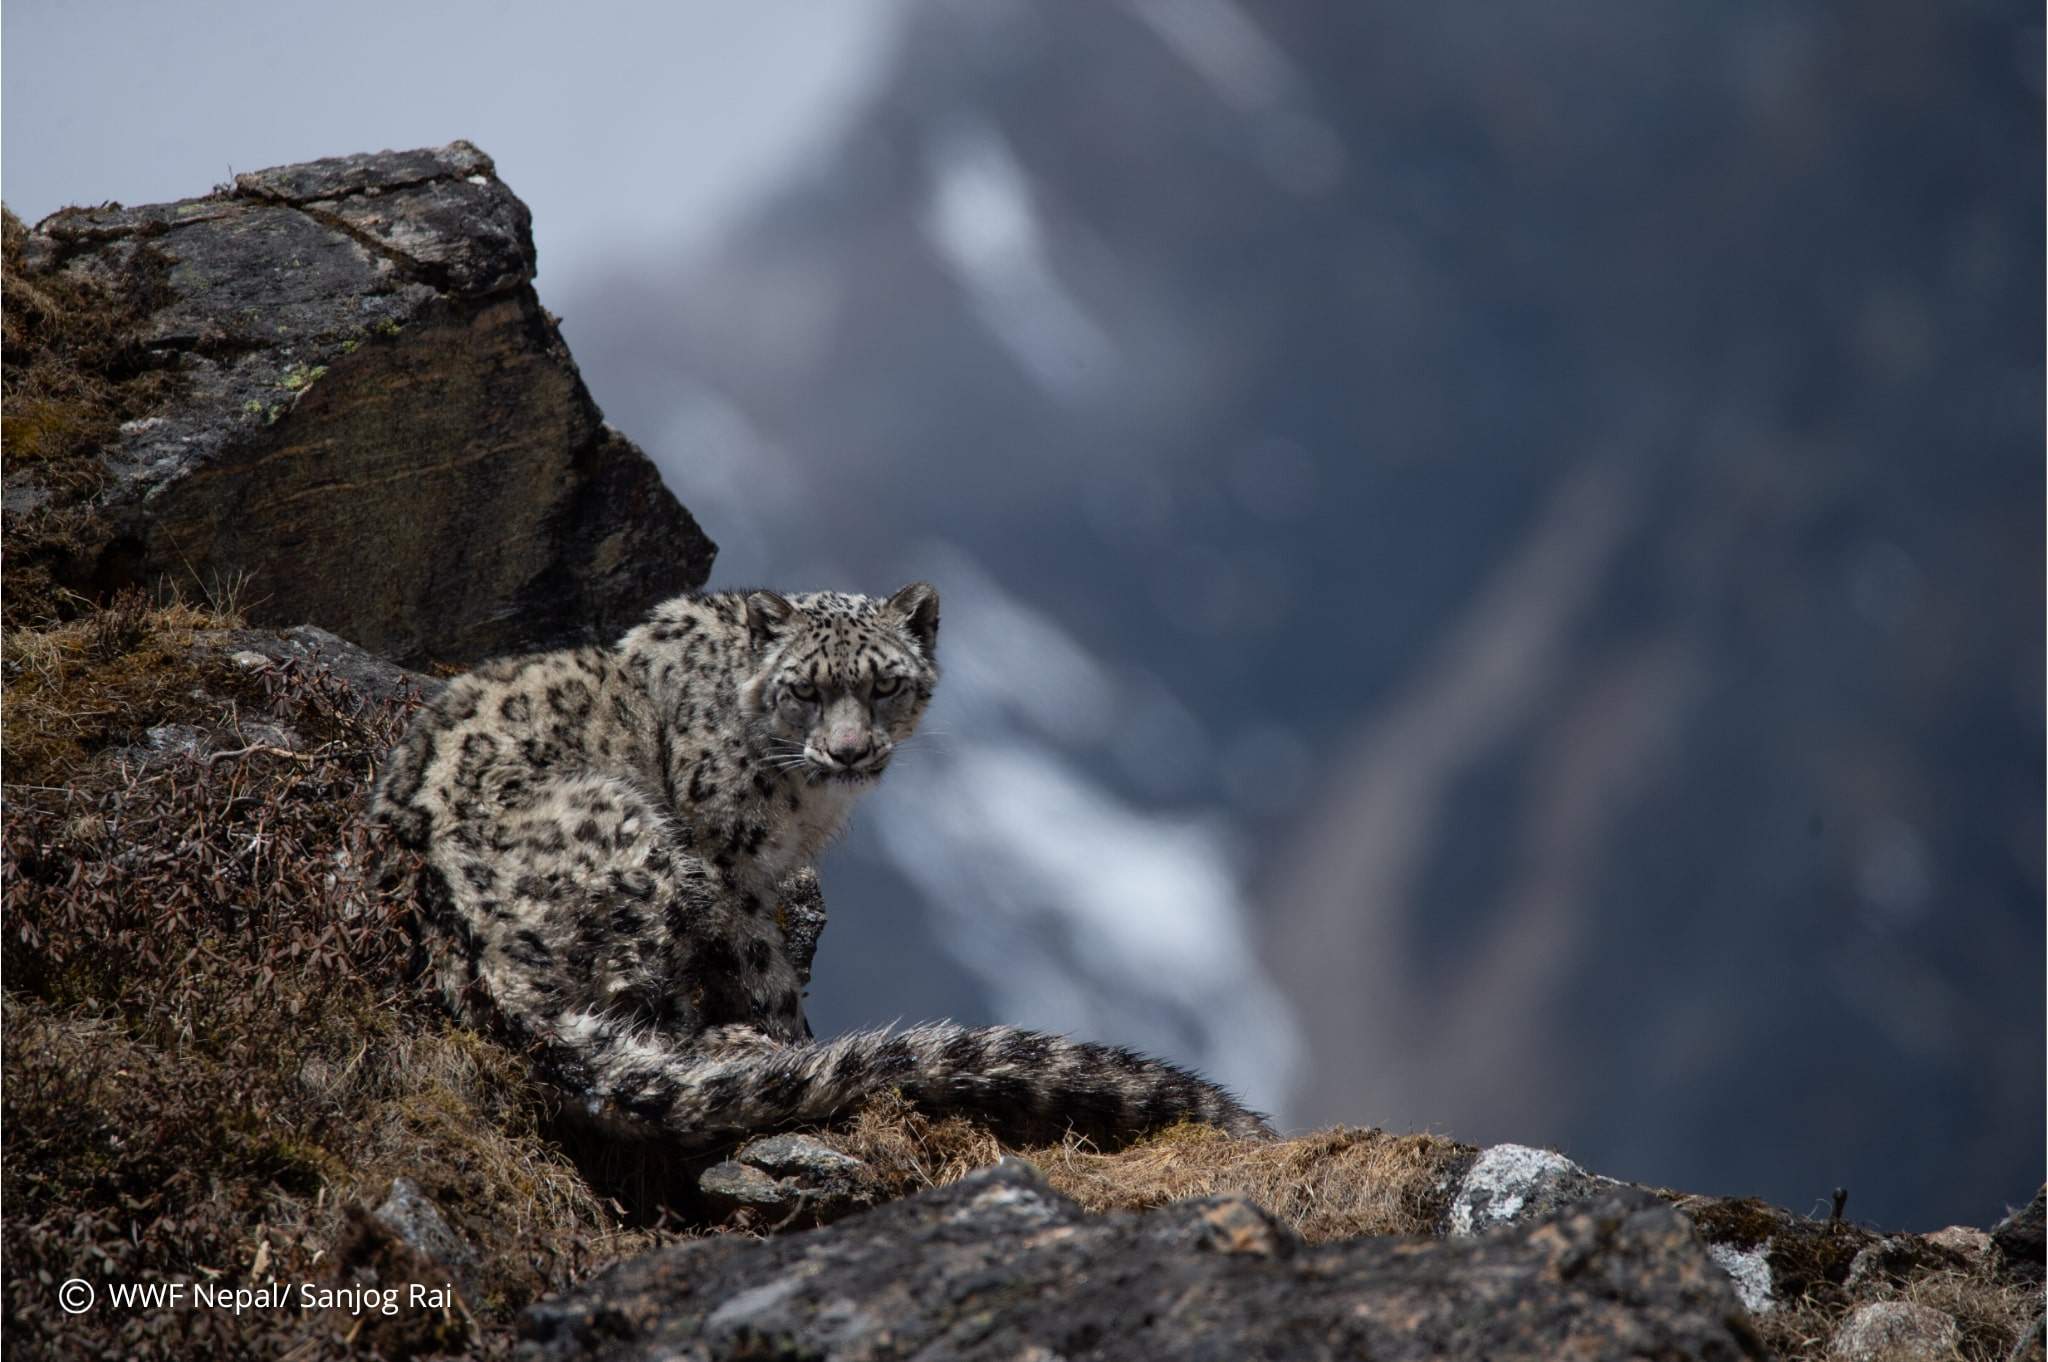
(214, 1058)
(75, 367)
(1331, 1184)
(1990, 1310)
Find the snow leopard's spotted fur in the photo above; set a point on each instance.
(606, 831)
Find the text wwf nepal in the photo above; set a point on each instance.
(281, 1296)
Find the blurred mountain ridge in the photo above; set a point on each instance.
(1560, 490)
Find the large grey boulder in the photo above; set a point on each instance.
(1000, 1266)
(376, 424)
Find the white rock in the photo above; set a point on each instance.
(1508, 1179)
(1750, 1270)
(1962, 1239)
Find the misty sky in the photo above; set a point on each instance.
(622, 125)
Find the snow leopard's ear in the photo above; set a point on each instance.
(918, 604)
(767, 614)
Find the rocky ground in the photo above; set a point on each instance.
(219, 1073)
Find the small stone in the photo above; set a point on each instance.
(262, 734)
(311, 650)
(800, 1156)
(1971, 1243)
(411, 1214)
(174, 740)
(1895, 1331)
(792, 1178)
(1871, 1263)
(1511, 1184)
(1750, 1270)
(734, 1185)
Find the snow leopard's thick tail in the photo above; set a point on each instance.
(1027, 1086)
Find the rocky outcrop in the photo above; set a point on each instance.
(375, 424)
(2020, 1238)
(999, 1266)
(310, 646)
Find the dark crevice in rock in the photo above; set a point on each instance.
(435, 277)
(262, 195)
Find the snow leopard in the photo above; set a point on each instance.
(606, 833)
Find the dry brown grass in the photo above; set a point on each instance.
(1328, 1185)
(909, 1150)
(1332, 1184)
(215, 1059)
(1991, 1313)
(102, 679)
(74, 365)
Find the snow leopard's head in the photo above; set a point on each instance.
(840, 680)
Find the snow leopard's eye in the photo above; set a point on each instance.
(804, 691)
(887, 685)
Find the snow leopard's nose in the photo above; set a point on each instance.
(849, 748)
